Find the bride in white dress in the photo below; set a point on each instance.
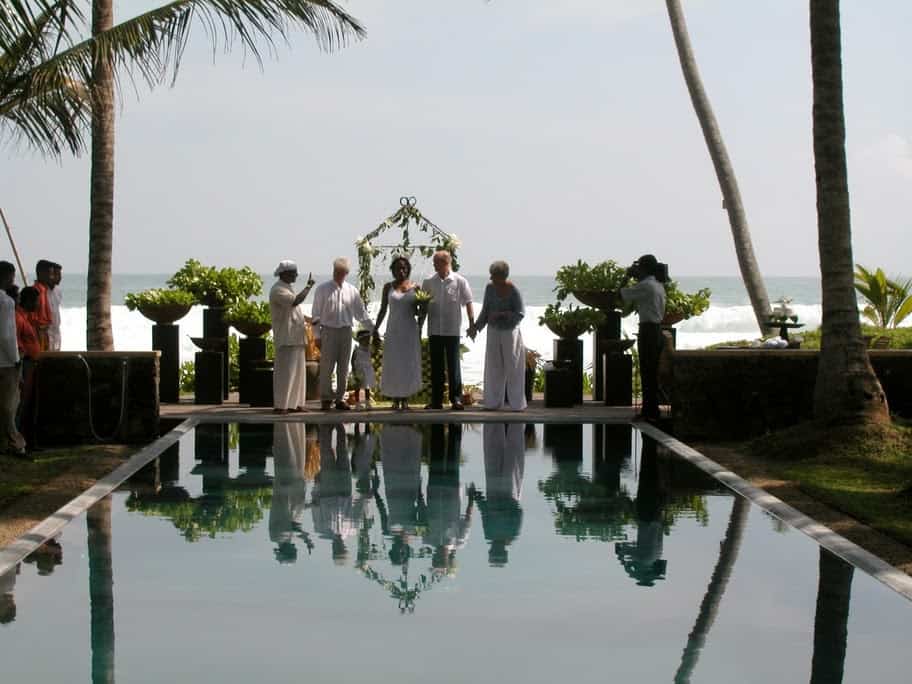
(401, 374)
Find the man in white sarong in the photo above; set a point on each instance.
(289, 380)
(337, 305)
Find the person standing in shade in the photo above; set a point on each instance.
(337, 305)
(289, 380)
(401, 375)
(55, 302)
(449, 293)
(11, 441)
(43, 317)
(505, 353)
(647, 296)
(29, 349)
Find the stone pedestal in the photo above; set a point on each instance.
(572, 351)
(209, 378)
(617, 389)
(166, 339)
(259, 390)
(214, 327)
(609, 330)
(560, 386)
(251, 350)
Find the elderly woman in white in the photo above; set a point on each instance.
(289, 380)
(505, 353)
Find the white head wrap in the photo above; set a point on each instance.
(284, 267)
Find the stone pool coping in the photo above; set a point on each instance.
(879, 569)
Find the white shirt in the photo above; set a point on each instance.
(55, 298)
(9, 349)
(648, 296)
(287, 319)
(449, 295)
(338, 307)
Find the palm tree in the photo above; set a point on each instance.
(737, 218)
(101, 590)
(834, 596)
(889, 300)
(847, 388)
(709, 607)
(55, 84)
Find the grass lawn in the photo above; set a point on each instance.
(863, 472)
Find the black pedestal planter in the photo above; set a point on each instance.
(166, 339)
(618, 379)
(209, 378)
(260, 384)
(250, 351)
(214, 327)
(610, 330)
(560, 385)
(572, 351)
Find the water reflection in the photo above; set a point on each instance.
(333, 515)
(7, 595)
(501, 512)
(289, 490)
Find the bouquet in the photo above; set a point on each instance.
(422, 300)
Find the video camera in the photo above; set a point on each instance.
(647, 265)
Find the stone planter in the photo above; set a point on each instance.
(163, 314)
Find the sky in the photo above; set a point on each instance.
(538, 131)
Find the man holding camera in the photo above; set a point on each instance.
(647, 296)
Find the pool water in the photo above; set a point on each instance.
(439, 553)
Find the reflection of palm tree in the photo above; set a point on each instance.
(501, 512)
(834, 595)
(101, 590)
(709, 607)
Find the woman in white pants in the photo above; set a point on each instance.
(505, 353)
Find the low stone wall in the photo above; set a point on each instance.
(63, 397)
(733, 394)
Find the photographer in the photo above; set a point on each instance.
(647, 296)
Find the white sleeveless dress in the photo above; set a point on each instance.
(401, 347)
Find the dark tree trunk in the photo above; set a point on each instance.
(99, 335)
(847, 389)
(834, 595)
(101, 591)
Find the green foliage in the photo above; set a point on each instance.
(572, 321)
(678, 303)
(188, 368)
(889, 300)
(606, 276)
(157, 297)
(217, 287)
(187, 377)
(248, 312)
(900, 338)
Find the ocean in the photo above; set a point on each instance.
(729, 317)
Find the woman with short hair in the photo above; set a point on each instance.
(505, 353)
(401, 371)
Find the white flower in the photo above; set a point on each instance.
(453, 242)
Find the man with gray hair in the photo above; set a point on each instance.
(337, 305)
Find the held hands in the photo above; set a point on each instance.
(472, 332)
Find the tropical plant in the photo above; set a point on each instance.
(217, 287)
(684, 305)
(606, 276)
(846, 390)
(58, 71)
(725, 172)
(572, 321)
(889, 300)
(157, 297)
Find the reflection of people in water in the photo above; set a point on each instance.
(400, 454)
(643, 559)
(289, 488)
(366, 481)
(7, 600)
(501, 513)
(449, 514)
(332, 497)
(46, 557)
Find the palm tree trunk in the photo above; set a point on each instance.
(834, 595)
(847, 388)
(101, 591)
(744, 248)
(709, 607)
(99, 335)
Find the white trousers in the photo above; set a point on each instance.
(289, 379)
(335, 354)
(505, 369)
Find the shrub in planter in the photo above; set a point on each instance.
(160, 305)
(570, 322)
(217, 286)
(679, 306)
(253, 319)
(592, 285)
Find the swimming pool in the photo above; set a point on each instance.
(443, 553)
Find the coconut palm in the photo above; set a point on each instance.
(847, 388)
(834, 598)
(889, 300)
(731, 194)
(101, 590)
(58, 77)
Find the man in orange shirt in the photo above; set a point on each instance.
(29, 348)
(42, 318)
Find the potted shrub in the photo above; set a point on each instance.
(571, 322)
(595, 286)
(159, 305)
(679, 306)
(217, 287)
(252, 319)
